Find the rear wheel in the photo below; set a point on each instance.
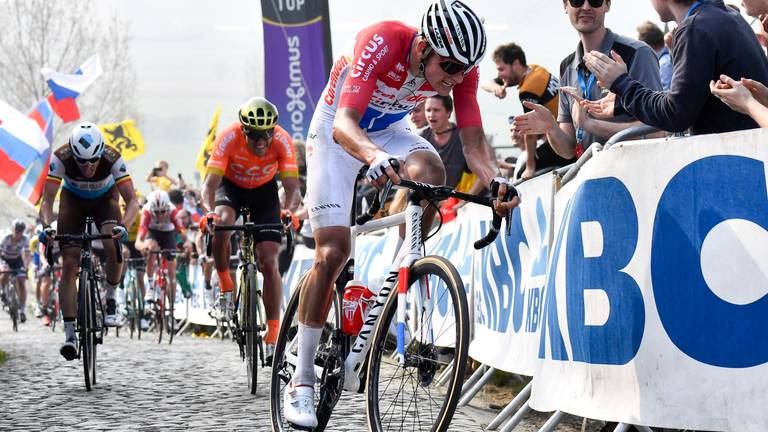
(328, 387)
(13, 305)
(132, 307)
(407, 396)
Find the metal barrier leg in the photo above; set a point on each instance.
(469, 394)
(473, 379)
(643, 428)
(443, 377)
(552, 423)
(511, 407)
(517, 418)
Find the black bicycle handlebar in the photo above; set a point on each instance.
(83, 239)
(253, 229)
(439, 193)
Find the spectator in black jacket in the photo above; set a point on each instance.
(710, 41)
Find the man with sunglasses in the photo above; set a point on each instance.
(242, 172)
(361, 120)
(94, 177)
(573, 131)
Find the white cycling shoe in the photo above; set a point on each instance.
(299, 406)
(113, 320)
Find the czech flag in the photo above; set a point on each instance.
(31, 188)
(67, 87)
(21, 143)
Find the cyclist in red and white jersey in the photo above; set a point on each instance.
(160, 224)
(389, 69)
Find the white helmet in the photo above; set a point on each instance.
(454, 31)
(158, 200)
(86, 141)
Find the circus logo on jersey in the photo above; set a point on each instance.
(362, 65)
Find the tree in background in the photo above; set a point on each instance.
(61, 35)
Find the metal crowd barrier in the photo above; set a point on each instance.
(519, 407)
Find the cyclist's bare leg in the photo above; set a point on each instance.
(67, 290)
(140, 282)
(113, 268)
(425, 167)
(45, 290)
(267, 252)
(22, 290)
(39, 289)
(221, 247)
(331, 253)
(150, 245)
(172, 280)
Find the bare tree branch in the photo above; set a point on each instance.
(54, 33)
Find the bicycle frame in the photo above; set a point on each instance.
(404, 258)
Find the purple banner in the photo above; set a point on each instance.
(297, 55)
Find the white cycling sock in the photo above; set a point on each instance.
(309, 338)
(109, 291)
(69, 329)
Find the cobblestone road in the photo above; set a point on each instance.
(195, 384)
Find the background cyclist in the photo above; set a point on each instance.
(159, 226)
(15, 256)
(94, 176)
(242, 172)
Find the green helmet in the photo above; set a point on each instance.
(258, 114)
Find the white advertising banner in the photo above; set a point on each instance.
(655, 307)
(508, 283)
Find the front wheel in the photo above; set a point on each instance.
(250, 313)
(329, 358)
(406, 395)
(160, 315)
(170, 321)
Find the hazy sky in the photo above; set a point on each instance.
(191, 55)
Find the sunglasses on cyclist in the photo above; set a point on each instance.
(580, 3)
(452, 68)
(92, 160)
(160, 212)
(259, 135)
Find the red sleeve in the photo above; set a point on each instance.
(465, 101)
(176, 219)
(146, 218)
(377, 48)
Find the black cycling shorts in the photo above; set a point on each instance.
(165, 239)
(16, 265)
(263, 204)
(73, 210)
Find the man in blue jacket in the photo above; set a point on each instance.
(710, 40)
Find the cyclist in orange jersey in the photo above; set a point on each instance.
(242, 173)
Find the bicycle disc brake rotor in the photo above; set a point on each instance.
(426, 363)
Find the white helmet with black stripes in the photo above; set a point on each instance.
(454, 31)
(86, 141)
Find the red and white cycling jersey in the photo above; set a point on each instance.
(168, 221)
(372, 77)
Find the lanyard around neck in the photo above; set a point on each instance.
(586, 84)
(693, 8)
